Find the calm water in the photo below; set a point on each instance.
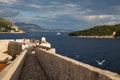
(84, 50)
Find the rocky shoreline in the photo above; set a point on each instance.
(95, 37)
(12, 32)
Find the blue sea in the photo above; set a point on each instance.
(80, 49)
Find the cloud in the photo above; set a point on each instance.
(62, 9)
(111, 23)
(91, 18)
(62, 13)
(8, 1)
(8, 12)
(115, 9)
(34, 6)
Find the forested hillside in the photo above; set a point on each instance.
(8, 26)
(105, 30)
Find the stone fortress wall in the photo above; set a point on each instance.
(14, 48)
(13, 70)
(56, 67)
(10, 47)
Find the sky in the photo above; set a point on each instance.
(62, 14)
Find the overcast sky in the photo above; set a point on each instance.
(62, 14)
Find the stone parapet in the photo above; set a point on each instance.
(58, 67)
(48, 49)
(13, 70)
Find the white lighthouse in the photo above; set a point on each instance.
(43, 39)
(44, 42)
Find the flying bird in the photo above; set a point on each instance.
(100, 63)
(77, 55)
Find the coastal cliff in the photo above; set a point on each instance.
(6, 26)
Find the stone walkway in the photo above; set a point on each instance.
(32, 70)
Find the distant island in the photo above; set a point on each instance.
(104, 31)
(6, 26)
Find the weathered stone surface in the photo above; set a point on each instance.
(2, 65)
(32, 70)
(58, 67)
(12, 71)
(14, 48)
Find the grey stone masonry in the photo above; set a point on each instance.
(31, 69)
(59, 67)
(14, 48)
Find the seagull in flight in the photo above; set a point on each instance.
(77, 55)
(100, 63)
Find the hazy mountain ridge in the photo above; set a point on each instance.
(37, 28)
(31, 27)
(6, 26)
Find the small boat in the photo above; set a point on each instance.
(58, 33)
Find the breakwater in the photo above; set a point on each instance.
(56, 67)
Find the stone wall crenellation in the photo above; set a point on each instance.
(14, 48)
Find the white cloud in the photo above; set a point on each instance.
(111, 23)
(57, 12)
(63, 9)
(70, 5)
(35, 6)
(92, 18)
(98, 17)
(8, 1)
(8, 12)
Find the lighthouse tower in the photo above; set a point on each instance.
(43, 39)
(44, 42)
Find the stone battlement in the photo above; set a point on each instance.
(59, 67)
(13, 70)
(54, 66)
